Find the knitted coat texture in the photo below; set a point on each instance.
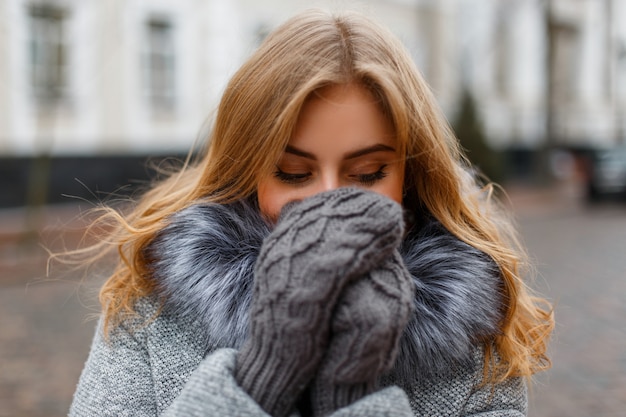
(177, 356)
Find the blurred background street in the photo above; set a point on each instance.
(578, 252)
(98, 97)
(46, 325)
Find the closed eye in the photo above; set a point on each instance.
(369, 179)
(291, 178)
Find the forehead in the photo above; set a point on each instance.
(342, 117)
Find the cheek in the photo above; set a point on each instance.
(393, 188)
(394, 192)
(271, 199)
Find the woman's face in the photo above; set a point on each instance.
(341, 139)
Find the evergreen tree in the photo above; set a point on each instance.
(469, 129)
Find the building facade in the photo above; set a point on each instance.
(93, 78)
(547, 70)
(84, 77)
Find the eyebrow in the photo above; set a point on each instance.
(352, 155)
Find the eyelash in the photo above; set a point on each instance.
(371, 178)
(288, 178)
(368, 179)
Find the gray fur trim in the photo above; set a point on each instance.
(203, 261)
(458, 302)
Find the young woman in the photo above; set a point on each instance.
(328, 255)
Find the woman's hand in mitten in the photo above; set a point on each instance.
(367, 324)
(317, 247)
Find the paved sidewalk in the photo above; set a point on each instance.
(578, 251)
(44, 328)
(45, 331)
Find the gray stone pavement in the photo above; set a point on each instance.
(44, 328)
(579, 253)
(580, 258)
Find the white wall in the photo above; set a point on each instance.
(589, 115)
(453, 42)
(106, 110)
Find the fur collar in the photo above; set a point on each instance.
(203, 262)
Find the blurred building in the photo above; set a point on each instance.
(89, 88)
(547, 70)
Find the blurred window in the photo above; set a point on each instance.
(159, 64)
(48, 53)
(566, 71)
(506, 53)
(503, 56)
(261, 32)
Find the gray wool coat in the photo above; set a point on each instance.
(176, 357)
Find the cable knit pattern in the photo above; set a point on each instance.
(367, 324)
(160, 369)
(203, 262)
(317, 247)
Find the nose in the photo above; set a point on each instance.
(329, 181)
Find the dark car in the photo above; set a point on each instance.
(607, 174)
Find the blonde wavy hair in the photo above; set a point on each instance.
(254, 122)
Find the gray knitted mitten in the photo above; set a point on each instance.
(367, 324)
(317, 247)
